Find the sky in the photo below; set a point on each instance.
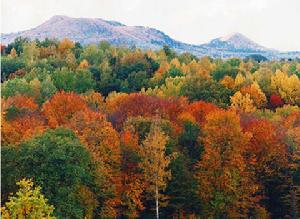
(271, 23)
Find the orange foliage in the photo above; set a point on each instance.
(84, 64)
(22, 128)
(65, 45)
(225, 182)
(200, 109)
(61, 107)
(95, 101)
(133, 183)
(20, 102)
(102, 141)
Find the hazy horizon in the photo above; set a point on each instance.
(269, 23)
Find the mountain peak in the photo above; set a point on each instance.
(236, 41)
(233, 36)
(58, 17)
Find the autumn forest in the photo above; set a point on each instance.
(99, 131)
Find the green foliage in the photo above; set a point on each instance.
(10, 65)
(190, 142)
(59, 163)
(79, 81)
(92, 54)
(135, 81)
(18, 44)
(16, 86)
(182, 189)
(198, 88)
(229, 68)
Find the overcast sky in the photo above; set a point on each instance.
(271, 23)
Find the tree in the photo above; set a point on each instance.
(9, 66)
(287, 86)
(275, 101)
(225, 69)
(182, 190)
(61, 107)
(242, 102)
(132, 178)
(13, 53)
(29, 202)
(155, 163)
(84, 64)
(200, 88)
(60, 164)
(30, 52)
(65, 45)
(256, 94)
(225, 184)
(102, 142)
(92, 55)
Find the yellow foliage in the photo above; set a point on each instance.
(175, 62)
(84, 64)
(256, 94)
(239, 80)
(287, 87)
(242, 102)
(228, 82)
(13, 53)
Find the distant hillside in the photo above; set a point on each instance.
(94, 30)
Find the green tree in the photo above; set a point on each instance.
(60, 164)
(10, 65)
(199, 88)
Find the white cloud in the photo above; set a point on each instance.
(272, 23)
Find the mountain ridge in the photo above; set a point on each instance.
(94, 30)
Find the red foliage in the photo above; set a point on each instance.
(266, 150)
(2, 48)
(275, 101)
(147, 106)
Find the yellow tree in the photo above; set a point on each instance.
(155, 163)
(13, 53)
(287, 87)
(65, 45)
(28, 202)
(30, 52)
(242, 102)
(256, 94)
(84, 64)
(239, 80)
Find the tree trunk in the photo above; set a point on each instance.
(156, 199)
(293, 202)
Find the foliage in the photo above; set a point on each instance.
(98, 128)
(57, 156)
(28, 203)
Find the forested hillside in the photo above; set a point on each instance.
(99, 131)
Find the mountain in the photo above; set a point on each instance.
(235, 42)
(94, 30)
